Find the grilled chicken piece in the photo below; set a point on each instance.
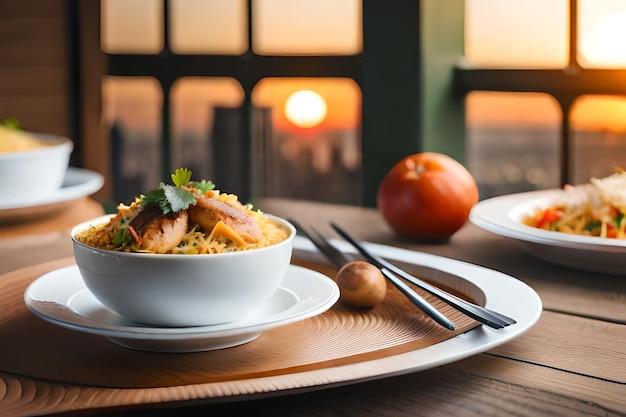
(154, 232)
(209, 211)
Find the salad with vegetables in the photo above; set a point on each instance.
(594, 209)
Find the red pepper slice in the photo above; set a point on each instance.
(549, 215)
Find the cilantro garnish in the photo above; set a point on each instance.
(181, 177)
(173, 198)
(204, 185)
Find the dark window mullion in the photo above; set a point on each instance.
(573, 35)
(550, 81)
(240, 67)
(166, 86)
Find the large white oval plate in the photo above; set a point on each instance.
(503, 216)
(61, 298)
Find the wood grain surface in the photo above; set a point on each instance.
(44, 238)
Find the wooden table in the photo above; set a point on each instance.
(571, 363)
(28, 241)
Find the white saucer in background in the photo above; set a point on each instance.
(78, 183)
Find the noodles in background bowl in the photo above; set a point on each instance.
(14, 140)
(595, 209)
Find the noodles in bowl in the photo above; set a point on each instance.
(195, 239)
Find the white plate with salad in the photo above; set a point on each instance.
(587, 244)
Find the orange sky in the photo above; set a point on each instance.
(494, 109)
(534, 110)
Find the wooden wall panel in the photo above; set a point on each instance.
(34, 65)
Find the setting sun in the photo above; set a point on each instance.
(306, 108)
(605, 44)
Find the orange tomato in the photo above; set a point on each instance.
(427, 195)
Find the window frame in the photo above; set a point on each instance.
(564, 85)
(397, 89)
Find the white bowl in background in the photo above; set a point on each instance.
(175, 290)
(29, 176)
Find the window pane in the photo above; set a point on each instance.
(195, 102)
(513, 33)
(132, 112)
(307, 27)
(602, 33)
(208, 27)
(513, 142)
(131, 26)
(598, 136)
(311, 152)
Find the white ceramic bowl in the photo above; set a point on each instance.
(173, 290)
(29, 176)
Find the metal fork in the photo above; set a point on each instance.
(481, 314)
(340, 259)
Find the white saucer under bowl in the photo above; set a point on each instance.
(60, 297)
